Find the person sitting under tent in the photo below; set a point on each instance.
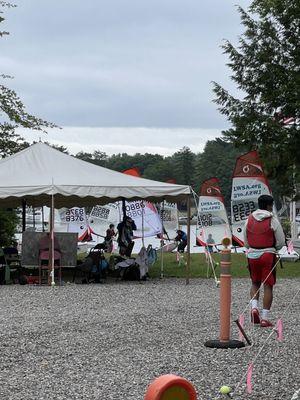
(110, 235)
(125, 236)
(182, 239)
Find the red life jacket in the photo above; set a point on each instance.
(260, 235)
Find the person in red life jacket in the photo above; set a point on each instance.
(263, 235)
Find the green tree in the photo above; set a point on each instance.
(8, 224)
(184, 166)
(265, 67)
(162, 170)
(217, 160)
(97, 157)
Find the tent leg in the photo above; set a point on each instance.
(51, 258)
(43, 220)
(161, 260)
(23, 215)
(124, 208)
(188, 261)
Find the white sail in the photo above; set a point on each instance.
(102, 216)
(249, 182)
(213, 224)
(73, 220)
(146, 218)
(170, 219)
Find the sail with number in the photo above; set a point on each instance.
(145, 216)
(213, 224)
(144, 213)
(249, 182)
(102, 216)
(170, 219)
(74, 220)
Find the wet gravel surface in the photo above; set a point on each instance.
(109, 341)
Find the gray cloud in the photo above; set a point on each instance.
(120, 63)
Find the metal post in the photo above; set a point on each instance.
(124, 208)
(188, 262)
(162, 241)
(51, 252)
(23, 215)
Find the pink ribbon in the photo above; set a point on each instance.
(290, 247)
(249, 378)
(177, 256)
(242, 323)
(279, 329)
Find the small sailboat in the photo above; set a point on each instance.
(213, 224)
(248, 183)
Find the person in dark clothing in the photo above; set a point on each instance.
(125, 236)
(110, 235)
(181, 238)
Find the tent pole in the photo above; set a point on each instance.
(124, 208)
(188, 262)
(143, 237)
(43, 220)
(51, 261)
(23, 215)
(33, 217)
(162, 241)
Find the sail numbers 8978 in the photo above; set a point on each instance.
(241, 211)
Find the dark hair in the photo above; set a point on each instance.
(264, 201)
(111, 226)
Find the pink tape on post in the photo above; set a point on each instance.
(249, 378)
(242, 323)
(177, 256)
(279, 329)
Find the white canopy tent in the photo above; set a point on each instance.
(40, 171)
(41, 175)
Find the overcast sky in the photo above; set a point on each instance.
(121, 75)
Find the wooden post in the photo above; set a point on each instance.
(188, 261)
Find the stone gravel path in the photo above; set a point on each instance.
(109, 341)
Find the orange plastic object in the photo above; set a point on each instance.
(170, 387)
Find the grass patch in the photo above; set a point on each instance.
(199, 267)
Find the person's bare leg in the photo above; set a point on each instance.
(254, 291)
(268, 297)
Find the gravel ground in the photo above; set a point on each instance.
(109, 341)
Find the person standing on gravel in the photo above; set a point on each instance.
(263, 235)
